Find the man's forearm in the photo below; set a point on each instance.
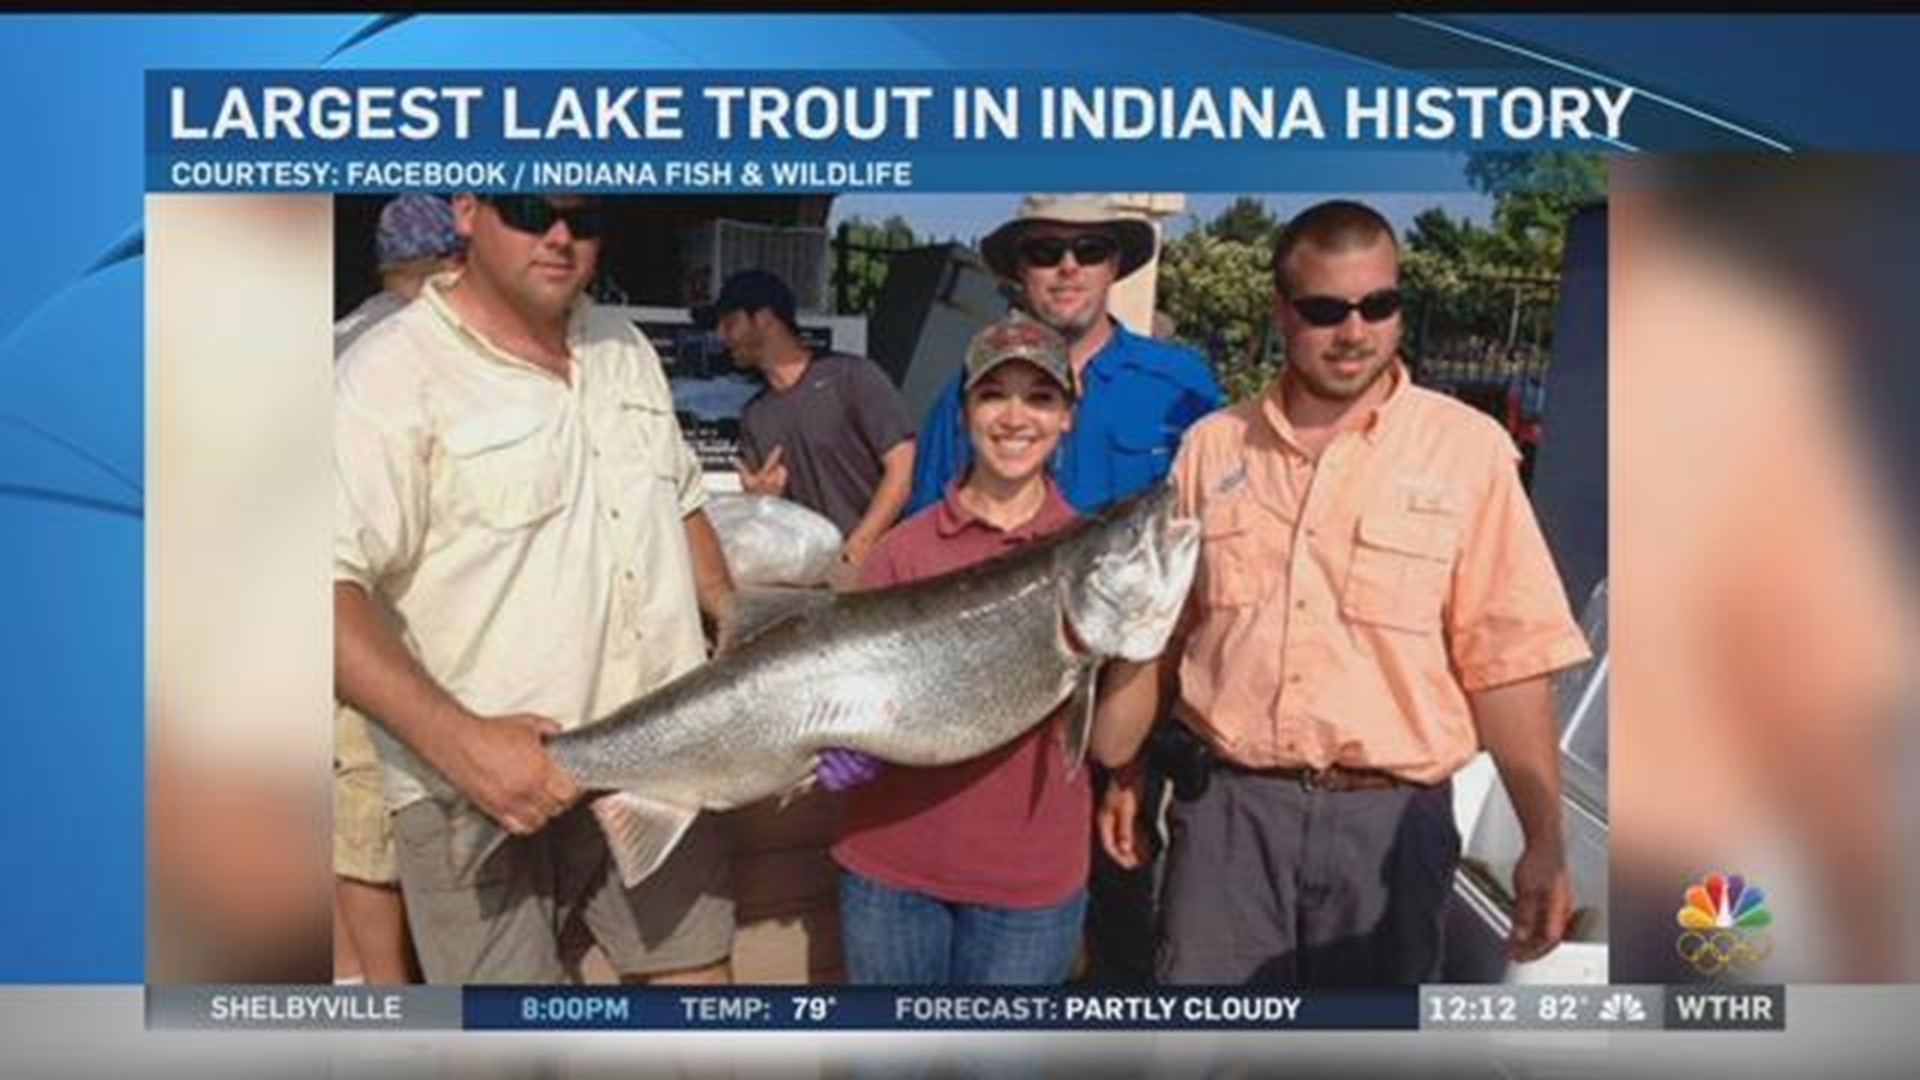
(712, 581)
(1129, 703)
(1516, 727)
(374, 673)
(1515, 722)
(890, 496)
(1133, 695)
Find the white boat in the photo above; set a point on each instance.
(1481, 913)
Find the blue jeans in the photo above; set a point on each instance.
(899, 938)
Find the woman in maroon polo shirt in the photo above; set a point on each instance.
(976, 872)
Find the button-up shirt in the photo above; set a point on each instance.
(1139, 397)
(1346, 605)
(525, 528)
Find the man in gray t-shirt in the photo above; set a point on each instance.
(829, 431)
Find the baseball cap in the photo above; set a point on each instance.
(1018, 337)
(415, 227)
(748, 290)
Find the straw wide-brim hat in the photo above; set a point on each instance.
(1134, 235)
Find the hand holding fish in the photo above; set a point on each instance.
(840, 769)
(501, 765)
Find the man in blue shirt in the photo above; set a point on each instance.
(1137, 396)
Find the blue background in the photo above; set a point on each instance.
(873, 1008)
(71, 497)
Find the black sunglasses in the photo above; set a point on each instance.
(1091, 249)
(533, 214)
(1323, 311)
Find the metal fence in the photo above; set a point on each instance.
(1485, 330)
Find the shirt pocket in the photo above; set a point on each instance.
(1230, 559)
(637, 439)
(508, 470)
(1402, 564)
(1138, 458)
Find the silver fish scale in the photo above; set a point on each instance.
(877, 672)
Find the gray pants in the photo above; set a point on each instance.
(1268, 882)
(505, 925)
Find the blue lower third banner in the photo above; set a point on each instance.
(943, 1009)
(837, 1008)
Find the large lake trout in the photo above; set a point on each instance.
(928, 673)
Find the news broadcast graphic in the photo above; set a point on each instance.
(1662, 259)
(980, 1009)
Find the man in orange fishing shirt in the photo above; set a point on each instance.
(1375, 604)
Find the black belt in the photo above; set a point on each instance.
(1189, 763)
(1331, 778)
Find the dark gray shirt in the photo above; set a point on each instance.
(833, 425)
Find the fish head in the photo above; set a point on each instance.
(1128, 577)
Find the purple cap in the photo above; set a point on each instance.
(415, 227)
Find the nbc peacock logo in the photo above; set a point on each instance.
(1723, 925)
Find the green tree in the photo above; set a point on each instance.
(1480, 291)
(862, 250)
(1534, 196)
(1246, 221)
(1438, 233)
(1567, 177)
(1218, 291)
(1447, 266)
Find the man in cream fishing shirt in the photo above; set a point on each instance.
(512, 483)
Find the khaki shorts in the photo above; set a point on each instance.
(362, 837)
(505, 924)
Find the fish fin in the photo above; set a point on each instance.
(641, 832)
(1080, 715)
(759, 609)
(805, 785)
(800, 788)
